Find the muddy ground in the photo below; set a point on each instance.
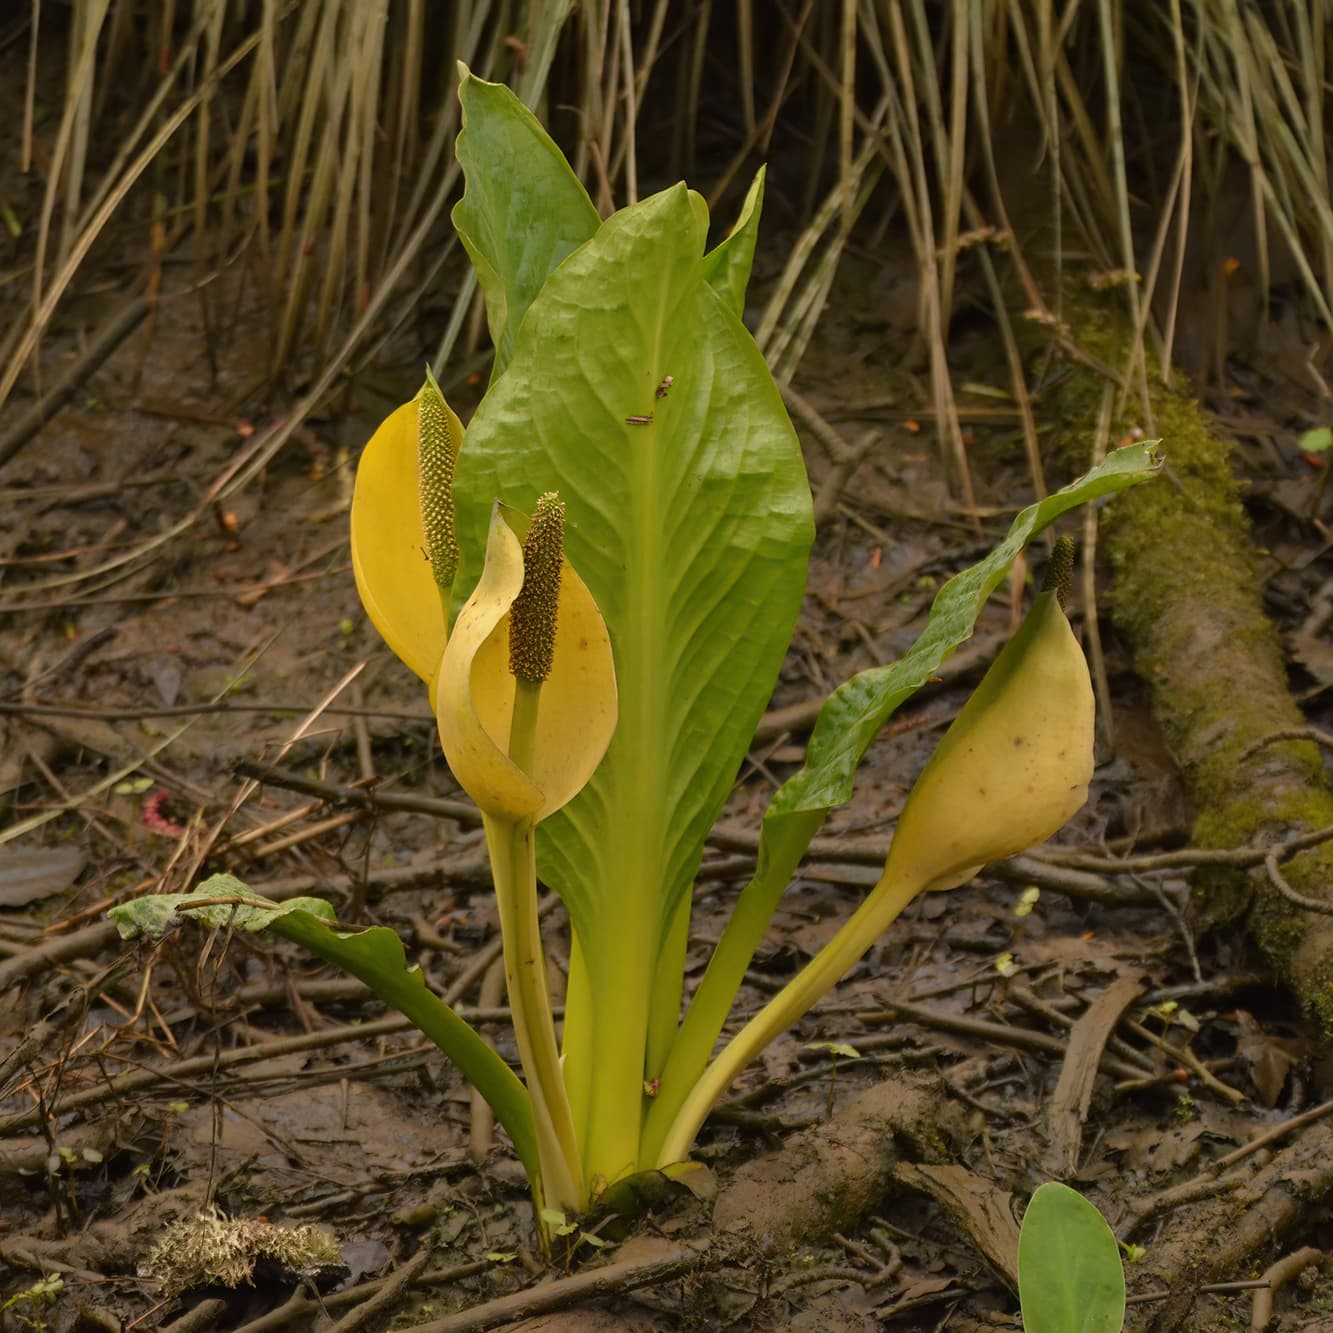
(154, 640)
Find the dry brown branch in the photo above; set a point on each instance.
(661, 1263)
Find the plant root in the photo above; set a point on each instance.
(825, 1179)
(1222, 1236)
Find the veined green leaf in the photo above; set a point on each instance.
(849, 720)
(523, 209)
(854, 713)
(1070, 1275)
(689, 518)
(727, 264)
(375, 956)
(221, 900)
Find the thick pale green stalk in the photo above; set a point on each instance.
(523, 722)
(513, 858)
(887, 899)
(623, 943)
(576, 1034)
(620, 980)
(716, 993)
(668, 986)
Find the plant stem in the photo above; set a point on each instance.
(513, 854)
(605, 1049)
(523, 722)
(886, 900)
(405, 991)
(668, 984)
(716, 992)
(576, 1035)
(512, 849)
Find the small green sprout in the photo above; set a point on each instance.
(1027, 900)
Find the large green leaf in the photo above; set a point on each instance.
(689, 517)
(375, 956)
(1070, 1276)
(848, 722)
(523, 209)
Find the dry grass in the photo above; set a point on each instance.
(309, 144)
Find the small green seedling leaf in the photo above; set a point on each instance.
(834, 1048)
(558, 1223)
(1027, 900)
(1317, 441)
(132, 786)
(42, 1292)
(1070, 1278)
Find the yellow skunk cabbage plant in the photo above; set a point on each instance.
(597, 582)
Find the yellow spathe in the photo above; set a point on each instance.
(393, 574)
(474, 697)
(1013, 767)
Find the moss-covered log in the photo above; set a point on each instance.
(1186, 596)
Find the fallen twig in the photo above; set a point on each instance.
(660, 1265)
(388, 1295)
(999, 1033)
(117, 328)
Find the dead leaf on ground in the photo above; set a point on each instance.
(28, 874)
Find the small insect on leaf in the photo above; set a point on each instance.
(665, 387)
(639, 421)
